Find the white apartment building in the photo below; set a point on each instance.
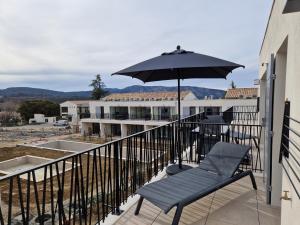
(279, 83)
(124, 114)
(74, 111)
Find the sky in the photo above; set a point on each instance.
(62, 44)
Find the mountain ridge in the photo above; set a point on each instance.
(28, 92)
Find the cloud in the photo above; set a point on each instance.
(44, 43)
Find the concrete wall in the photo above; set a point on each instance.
(282, 38)
(40, 118)
(68, 145)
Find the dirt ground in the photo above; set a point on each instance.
(34, 134)
(7, 153)
(12, 136)
(90, 139)
(96, 173)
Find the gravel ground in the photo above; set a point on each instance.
(11, 136)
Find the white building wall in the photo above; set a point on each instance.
(72, 110)
(51, 119)
(283, 34)
(40, 118)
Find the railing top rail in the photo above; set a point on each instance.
(240, 112)
(225, 124)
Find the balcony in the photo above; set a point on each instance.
(97, 182)
(140, 113)
(125, 116)
(140, 117)
(122, 116)
(164, 117)
(235, 204)
(84, 115)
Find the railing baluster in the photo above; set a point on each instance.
(52, 195)
(1, 217)
(20, 200)
(71, 189)
(28, 198)
(44, 191)
(36, 194)
(9, 214)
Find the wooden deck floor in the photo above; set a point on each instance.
(236, 204)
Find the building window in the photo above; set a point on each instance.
(64, 109)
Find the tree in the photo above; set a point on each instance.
(28, 108)
(98, 88)
(9, 106)
(232, 85)
(9, 118)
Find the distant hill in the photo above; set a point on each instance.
(37, 93)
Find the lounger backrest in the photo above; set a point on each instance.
(224, 158)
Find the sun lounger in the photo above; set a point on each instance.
(218, 169)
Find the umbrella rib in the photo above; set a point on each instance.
(136, 74)
(147, 78)
(219, 73)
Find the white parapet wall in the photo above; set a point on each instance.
(29, 161)
(71, 146)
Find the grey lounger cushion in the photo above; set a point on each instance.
(217, 168)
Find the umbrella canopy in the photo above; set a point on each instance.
(180, 64)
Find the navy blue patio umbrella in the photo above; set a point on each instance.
(179, 65)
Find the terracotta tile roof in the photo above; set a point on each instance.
(241, 93)
(145, 96)
(79, 102)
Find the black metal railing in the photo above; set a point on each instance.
(96, 116)
(126, 116)
(241, 114)
(84, 115)
(116, 116)
(165, 117)
(245, 108)
(199, 137)
(140, 117)
(83, 188)
(290, 148)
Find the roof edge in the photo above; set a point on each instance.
(263, 41)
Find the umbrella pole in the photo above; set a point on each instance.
(178, 130)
